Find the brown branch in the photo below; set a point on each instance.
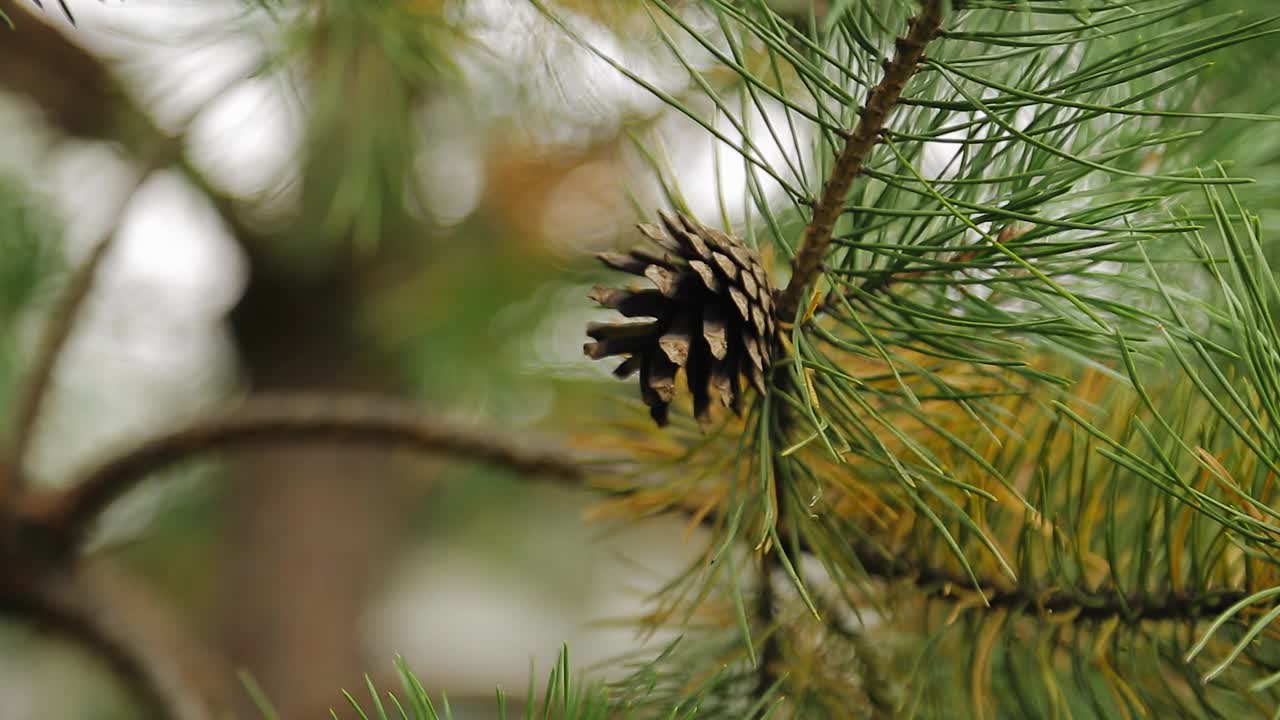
(139, 637)
(1101, 603)
(79, 95)
(76, 92)
(162, 150)
(771, 660)
(268, 420)
(908, 51)
(34, 391)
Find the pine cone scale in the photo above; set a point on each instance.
(662, 377)
(757, 318)
(753, 352)
(726, 266)
(741, 302)
(676, 341)
(715, 332)
(752, 290)
(667, 281)
(707, 276)
(618, 261)
(628, 367)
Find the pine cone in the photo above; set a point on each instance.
(712, 315)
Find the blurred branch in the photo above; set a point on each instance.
(79, 95)
(139, 637)
(62, 320)
(271, 420)
(224, 204)
(771, 660)
(923, 28)
(378, 422)
(75, 91)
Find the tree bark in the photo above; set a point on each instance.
(310, 528)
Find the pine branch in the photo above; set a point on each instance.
(33, 393)
(80, 95)
(908, 52)
(76, 92)
(1101, 603)
(139, 637)
(766, 615)
(354, 421)
(887, 565)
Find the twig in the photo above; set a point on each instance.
(161, 150)
(80, 95)
(268, 420)
(908, 51)
(33, 393)
(878, 682)
(139, 637)
(1098, 604)
(766, 614)
(934, 582)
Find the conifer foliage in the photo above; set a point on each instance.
(1013, 457)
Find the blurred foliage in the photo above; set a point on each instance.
(563, 698)
(30, 252)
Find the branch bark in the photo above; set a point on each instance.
(267, 420)
(908, 51)
(33, 393)
(79, 95)
(140, 638)
(1098, 604)
(75, 91)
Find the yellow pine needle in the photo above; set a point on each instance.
(980, 678)
(1219, 472)
(814, 302)
(968, 600)
(813, 393)
(715, 499)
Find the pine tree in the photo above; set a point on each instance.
(996, 275)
